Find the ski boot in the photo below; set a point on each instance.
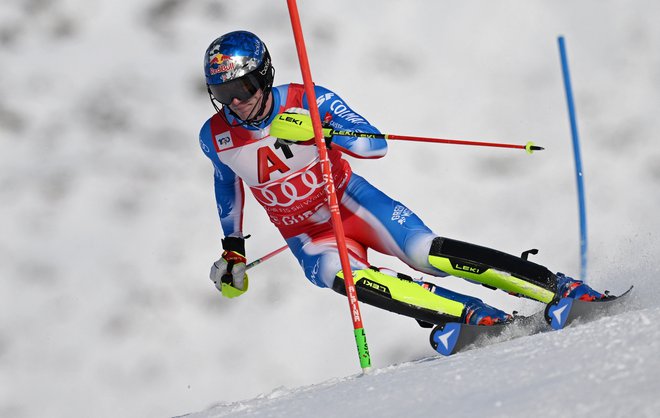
(478, 313)
(478, 320)
(475, 311)
(568, 287)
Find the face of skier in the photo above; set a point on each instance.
(246, 109)
(243, 96)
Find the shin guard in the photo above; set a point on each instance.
(401, 295)
(494, 269)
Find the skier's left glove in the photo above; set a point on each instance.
(228, 273)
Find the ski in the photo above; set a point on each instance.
(453, 337)
(564, 311)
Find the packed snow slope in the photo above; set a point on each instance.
(108, 225)
(608, 368)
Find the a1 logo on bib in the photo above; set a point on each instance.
(223, 141)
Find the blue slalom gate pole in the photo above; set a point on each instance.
(579, 176)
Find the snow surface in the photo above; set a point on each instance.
(108, 225)
(597, 369)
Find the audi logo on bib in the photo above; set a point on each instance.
(286, 192)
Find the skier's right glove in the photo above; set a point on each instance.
(295, 125)
(228, 273)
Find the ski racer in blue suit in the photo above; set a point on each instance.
(286, 179)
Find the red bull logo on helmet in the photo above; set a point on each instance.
(221, 63)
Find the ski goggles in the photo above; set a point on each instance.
(241, 88)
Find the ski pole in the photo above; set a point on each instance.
(298, 127)
(529, 146)
(266, 257)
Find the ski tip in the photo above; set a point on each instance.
(610, 297)
(557, 313)
(444, 337)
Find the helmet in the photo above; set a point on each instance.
(236, 65)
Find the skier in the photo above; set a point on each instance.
(285, 178)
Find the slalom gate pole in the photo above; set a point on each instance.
(266, 257)
(351, 293)
(579, 175)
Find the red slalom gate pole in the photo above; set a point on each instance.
(351, 293)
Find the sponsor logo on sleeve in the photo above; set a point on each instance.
(322, 99)
(400, 214)
(341, 110)
(204, 147)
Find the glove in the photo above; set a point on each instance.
(301, 133)
(228, 273)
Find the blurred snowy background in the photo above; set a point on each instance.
(107, 219)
